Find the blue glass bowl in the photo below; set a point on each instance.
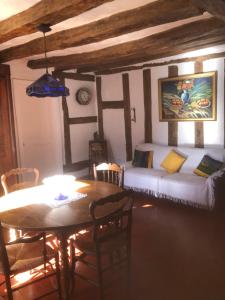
(61, 197)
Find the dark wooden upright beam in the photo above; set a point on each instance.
(100, 112)
(45, 11)
(147, 105)
(199, 128)
(173, 125)
(199, 134)
(67, 140)
(127, 116)
(224, 106)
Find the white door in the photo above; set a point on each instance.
(38, 126)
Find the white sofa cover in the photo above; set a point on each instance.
(184, 186)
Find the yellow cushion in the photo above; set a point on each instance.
(173, 162)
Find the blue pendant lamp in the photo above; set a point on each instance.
(46, 85)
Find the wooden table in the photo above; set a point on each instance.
(26, 210)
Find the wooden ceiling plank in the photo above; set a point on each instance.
(170, 42)
(214, 7)
(45, 11)
(152, 14)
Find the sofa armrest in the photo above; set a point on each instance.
(127, 165)
(216, 185)
(217, 174)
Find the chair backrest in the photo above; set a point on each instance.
(21, 240)
(20, 178)
(113, 213)
(3, 253)
(109, 172)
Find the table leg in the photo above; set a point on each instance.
(66, 280)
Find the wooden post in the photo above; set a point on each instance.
(199, 129)
(127, 116)
(147, 105)
(173, 125)
(99, 101)
(67, 141)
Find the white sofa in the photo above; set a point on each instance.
(184, 186)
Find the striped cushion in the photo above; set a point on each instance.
(143, 159)
(208, 166)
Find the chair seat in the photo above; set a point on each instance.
(108, 245)
(26, 256)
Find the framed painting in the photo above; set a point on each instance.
(188, 98)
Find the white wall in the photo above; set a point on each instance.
(214, 131)
(39, 124)
(137, 102)
(80, 134)
(112, 90)
(113, 119)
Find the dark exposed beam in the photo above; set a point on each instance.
(158, 64)
(82, 120)
(112, 104)
(45, 11)
(152, 14)
(171, 42)
(214, 7)
(74, 76)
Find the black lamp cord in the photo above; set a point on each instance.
(46, 58)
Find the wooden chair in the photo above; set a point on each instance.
(109, 239)
(20, 178)
(25, 254)
(109, 172)
(17, 179)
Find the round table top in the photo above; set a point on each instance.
(30, 209)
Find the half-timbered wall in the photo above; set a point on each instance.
(40, 132)
(39, 122)
(184, 133)
(82, 123)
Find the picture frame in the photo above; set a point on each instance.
(188, 98)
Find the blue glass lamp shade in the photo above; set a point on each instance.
(47, 86)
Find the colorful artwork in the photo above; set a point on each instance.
(188, 98)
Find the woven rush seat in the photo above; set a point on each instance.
(24, 256)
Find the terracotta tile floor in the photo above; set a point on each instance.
(177, 253)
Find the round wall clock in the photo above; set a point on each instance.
(83, 96)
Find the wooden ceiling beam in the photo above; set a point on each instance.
(171, 42)
(152, 14)
(45, 11)
(166, 62)
(125, 64)
(214, 7)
